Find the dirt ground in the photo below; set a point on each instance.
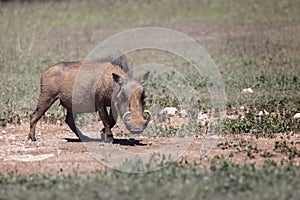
(58, 151)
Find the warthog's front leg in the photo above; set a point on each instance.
(112, 117)
(106, 123)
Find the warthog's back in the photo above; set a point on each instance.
(77, 84)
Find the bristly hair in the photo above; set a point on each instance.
(121, 61)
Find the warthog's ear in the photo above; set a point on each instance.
(117, 78)
(144, 78)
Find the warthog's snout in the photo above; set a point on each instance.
(137, 130)
(136, 126)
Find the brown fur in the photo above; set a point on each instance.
(84, 87)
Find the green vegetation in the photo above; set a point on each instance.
(289, 150)
(262, 125)
(222, 180)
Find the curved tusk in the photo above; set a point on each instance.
(125, 115)
(148, 118)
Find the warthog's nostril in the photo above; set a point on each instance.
(126, 116)
(147, 115)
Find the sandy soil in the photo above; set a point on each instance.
(58, 151)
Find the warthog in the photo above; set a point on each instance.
(89, 86)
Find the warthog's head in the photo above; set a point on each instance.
(129, 100)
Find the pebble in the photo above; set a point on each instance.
(266, 112)
(171, 111)
(297, 116)
(261, 113)
(247, 91)
(12, 137)
(232, 117)
(202, 116)
(183, 113)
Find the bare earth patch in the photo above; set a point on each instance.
(58, 151)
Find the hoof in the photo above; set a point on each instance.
(109, 139)
(102, 136)
(32, 138)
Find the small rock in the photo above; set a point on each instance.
(247, 91)
(149, 143)
(12, 137)
(3, 131)
(261, 113)
(232, 117)
(202, 116)
(171, 111)
(183, 113)
(297, 116)
(213, 137)
(266, 112)
(242, 108)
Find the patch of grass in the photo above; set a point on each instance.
(262, 125)
(240, 146)
(289, 150)
(223, 180)
(267, 154)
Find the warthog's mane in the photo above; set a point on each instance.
(122, 61)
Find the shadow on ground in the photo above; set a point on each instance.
(124, 142)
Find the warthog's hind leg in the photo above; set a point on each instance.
(44, 104)
(70, 120)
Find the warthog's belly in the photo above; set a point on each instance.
(79, 100)
(79, 87)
